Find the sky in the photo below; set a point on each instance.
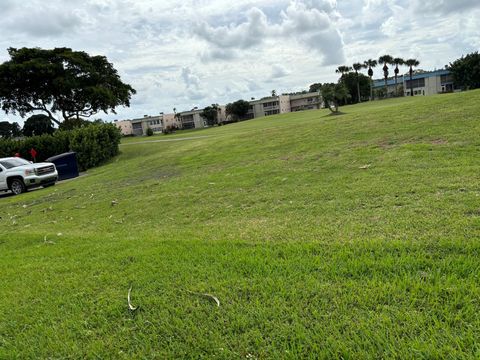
(192, 53)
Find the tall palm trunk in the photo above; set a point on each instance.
(358, 88)
(385, 74)
(371, 88)
(396, 84)
(370, 75)
(411, 81)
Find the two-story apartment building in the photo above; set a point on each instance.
(269, 106)
(424, 83)
(429, 83)
(284, 104)
(193, 120)
(139, 126)
(307, 101)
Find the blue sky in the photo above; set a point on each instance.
(195, 52)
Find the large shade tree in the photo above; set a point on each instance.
(38, 125)
(9, 130)
(358, 86)
(385, 60)
(238, 110)
(411, 63)
(370, 64)
(60, 82)
(210, 113)
(466, 71)
(315, 87)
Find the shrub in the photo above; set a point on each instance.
(149, 132)
(94, 145)
(170, 129)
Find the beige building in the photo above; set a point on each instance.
(424, 83)
(171, 121)
(429, 83)
(308, 101)
(284, 104)
(125, 127)
(267, 106)
(193, 120)
(141, 125)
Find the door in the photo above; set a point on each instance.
(3, 180)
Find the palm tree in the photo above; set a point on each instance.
(385, 60)
(397, 61)
(411, 63)
(356, 67)
(343, 69)
(370, 64)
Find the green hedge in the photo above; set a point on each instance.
(93, 144)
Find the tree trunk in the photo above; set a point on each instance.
(411, 81)
(386, 88)
(358, 89)
(396, 85)
(53, 119)
(371, 89)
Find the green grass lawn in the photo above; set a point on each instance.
(353, 236)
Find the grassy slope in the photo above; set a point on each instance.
(308, 253)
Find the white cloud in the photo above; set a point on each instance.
(193, 53)
(308, 22)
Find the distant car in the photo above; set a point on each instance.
(18, 175)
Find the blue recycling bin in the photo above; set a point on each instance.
(66, 165)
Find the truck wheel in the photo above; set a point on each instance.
(17, 186)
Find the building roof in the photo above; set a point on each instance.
(147, 118)
(390, 81)
(428, 74)
(304, 96)
(264, 100)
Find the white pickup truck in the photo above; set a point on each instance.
(18, 175)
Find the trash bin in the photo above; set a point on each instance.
(66, 165)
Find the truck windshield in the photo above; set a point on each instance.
(11, 163)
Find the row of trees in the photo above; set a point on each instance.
(235, 111)
(386, 61)
(40, 124)
(466, 71)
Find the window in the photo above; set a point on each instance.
(188, 122)
(270, 104)
(448, 78)
(416, 83)
(272, 112)
(11, 163)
